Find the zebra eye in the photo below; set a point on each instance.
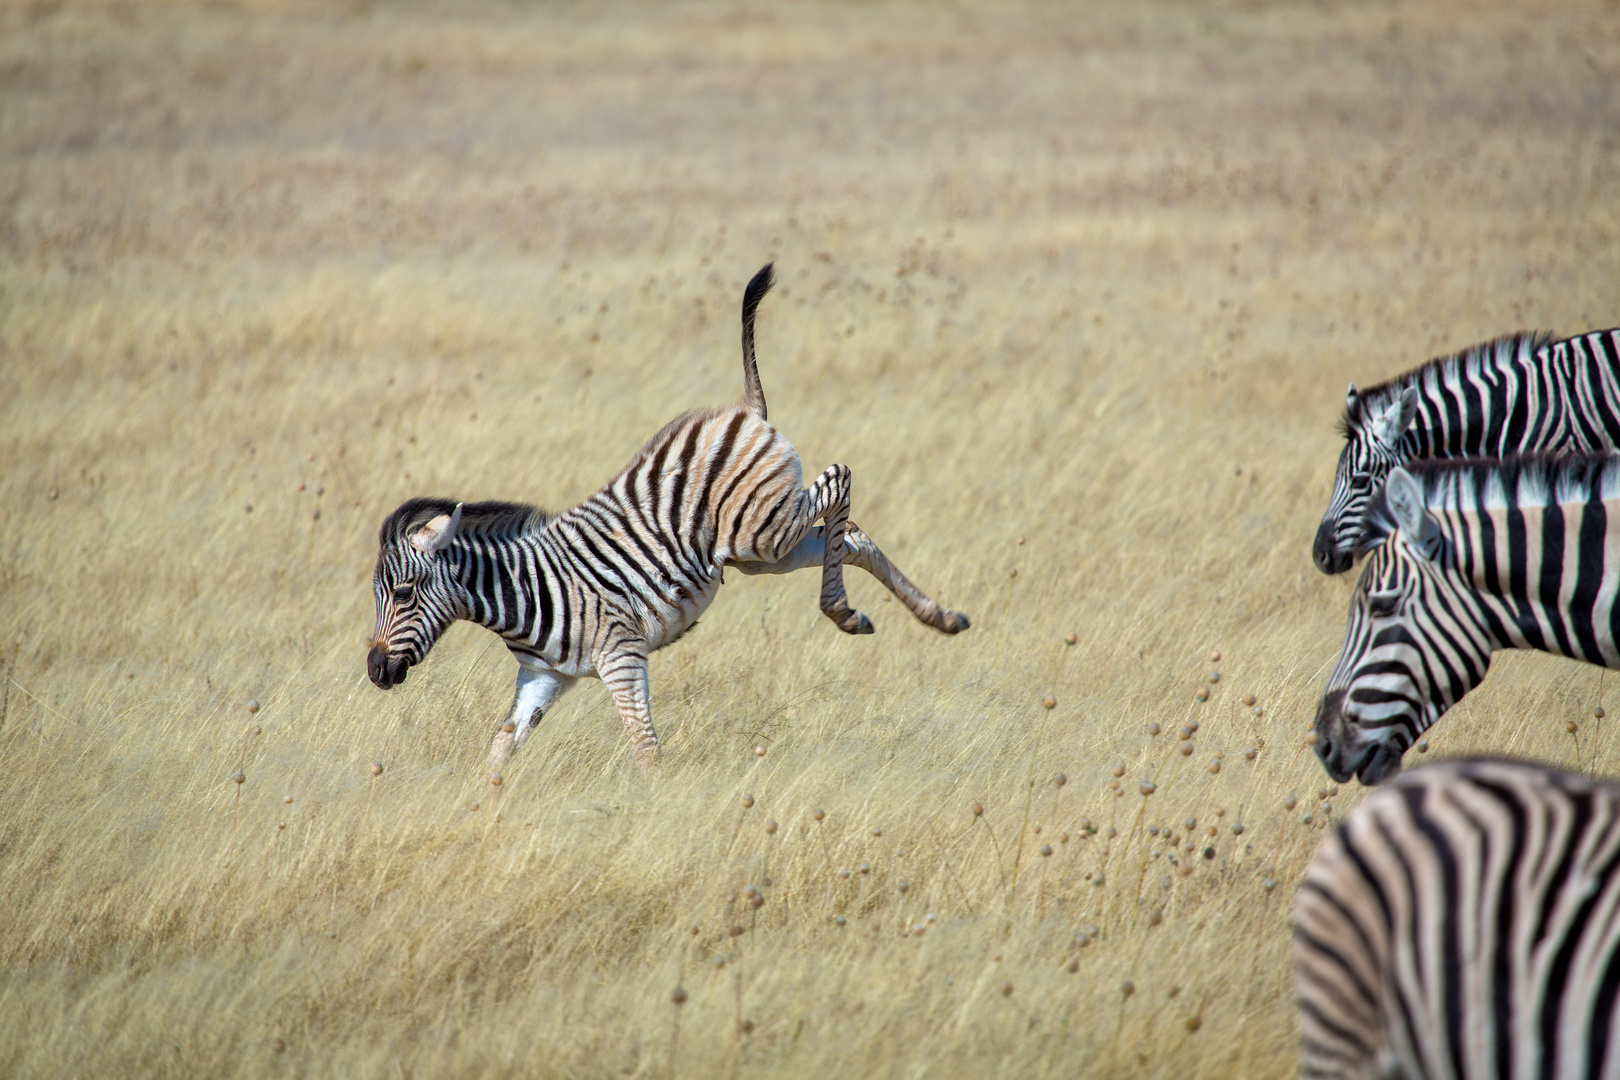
(1381, 605)
(403, 592)
(1360, 480)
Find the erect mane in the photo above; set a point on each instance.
(1484, 483)
(1498, 352)
(493, 519)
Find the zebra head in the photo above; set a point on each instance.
(1407, 656)
(413, 588)
(1372, 448)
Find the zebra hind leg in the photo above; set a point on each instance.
(861, 551)
(828, 498)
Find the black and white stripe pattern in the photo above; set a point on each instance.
(1519, 394)
(1466, 558)
(1464, 922)
(594, 590)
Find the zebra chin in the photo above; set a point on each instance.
(386, 671)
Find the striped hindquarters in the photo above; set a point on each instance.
(1462, 922)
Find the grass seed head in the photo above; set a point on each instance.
(1250, 753)
(819, 814)
(1046, 850)
(1423, 746)
(677, 997)
(843, 873)
(1202, 693)
(865, 869)
(1155, 918)
(287, 799)
(1153, 728)
(1215, 766)
(759, 751)
(1214, 677)
(1118, 770)
(376, 768)
(1186, 749)
(745, 1026)
(877, 832)
(1148, 788)
(1570, 726)
(734, 932)
(1193, 724)
(978, 810)
(495, 780)
(277, 1046)
(1598, 713)
(748, 801)
(473, 805)
(770, 825)
(1288, 802)
(1194, 1023)
(1237, 828)
(509, 727)
(1049, 701)
(238, 776)
(1072, 967)
(1006, 989)
(904, 887)
(1248, 699)
(1127, 988)
(1215, 657)
(1060, 779)
(839, 920)
(1070, 638)
(253, 705)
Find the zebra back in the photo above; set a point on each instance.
(1463, 922)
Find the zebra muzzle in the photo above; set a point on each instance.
(386, 671)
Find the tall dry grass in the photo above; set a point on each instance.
(1074, 293)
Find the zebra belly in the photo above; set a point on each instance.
(667, 622)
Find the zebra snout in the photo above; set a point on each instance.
(385, 671)
(1325, 551)
(1329, 747)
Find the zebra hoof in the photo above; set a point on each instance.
(859, 625)
(954, 622)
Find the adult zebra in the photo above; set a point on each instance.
(1462, 922)
(1519, 394)
(1468, 557)
(592, 591)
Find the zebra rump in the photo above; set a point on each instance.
(1463, 922)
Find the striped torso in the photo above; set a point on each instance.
(1463, 922)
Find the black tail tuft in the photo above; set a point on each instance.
(758, 286)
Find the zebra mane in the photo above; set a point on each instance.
(1487, 483)
(495, 520)
(1498, 352)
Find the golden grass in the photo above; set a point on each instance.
(1075, 294)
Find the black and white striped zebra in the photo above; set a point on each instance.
(594, 590)
(1519, 394)
(1464, 921)
(1467, 557)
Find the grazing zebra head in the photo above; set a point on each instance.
(414, 588)
(1414, 644)
(1373, 427)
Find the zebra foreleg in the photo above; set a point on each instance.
(625, 675)
(861, 551)
(537, 688)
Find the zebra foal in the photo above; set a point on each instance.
(1467, 557)
(1520, 394)
(593, 591)
(1464, 922)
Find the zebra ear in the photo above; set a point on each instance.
(1389, 427)
(1405, 501)
(1350, 398)
(436, 535)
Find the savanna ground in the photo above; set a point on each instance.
(1075, 293)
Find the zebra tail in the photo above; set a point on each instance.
(753, 393)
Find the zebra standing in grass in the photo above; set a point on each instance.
(1468, 557)
(1516, 395)
(1462, 922)
(592, 591)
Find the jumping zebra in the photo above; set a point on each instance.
(594, 590)
(1518, 394)
(1462, 922)
(1468, 557)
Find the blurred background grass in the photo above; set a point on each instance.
(1074, 292)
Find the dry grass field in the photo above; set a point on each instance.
(1075, 291)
